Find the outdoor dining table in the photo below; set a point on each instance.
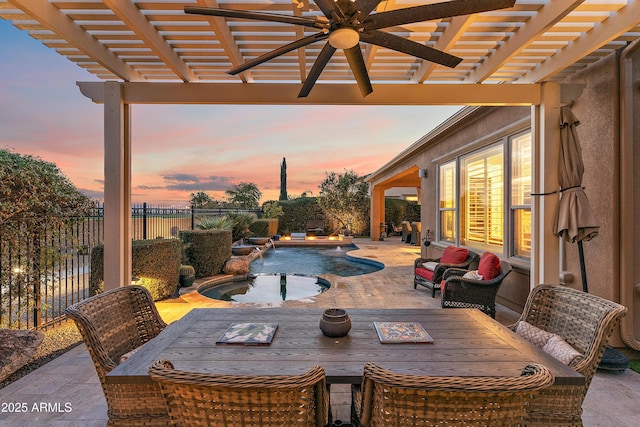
(466, 342)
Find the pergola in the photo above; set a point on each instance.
(150, 51)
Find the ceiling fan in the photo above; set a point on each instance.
(352, 21)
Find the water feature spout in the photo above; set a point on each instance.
(273, 244)
(338, 248)
(259, 254)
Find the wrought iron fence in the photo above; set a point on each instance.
(46, 270)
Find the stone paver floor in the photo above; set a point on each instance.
(66, 391)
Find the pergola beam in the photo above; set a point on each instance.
(128, 13)
(53, 19)
(324, 94)
(548, 16)
(616, 25)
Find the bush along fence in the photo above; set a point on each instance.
(44, 271)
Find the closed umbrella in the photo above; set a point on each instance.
(574, 221)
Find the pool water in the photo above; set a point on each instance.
(268, 288)
(313, 261)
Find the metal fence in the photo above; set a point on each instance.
(45, 271)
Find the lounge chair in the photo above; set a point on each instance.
(428, 272)
(477, 288)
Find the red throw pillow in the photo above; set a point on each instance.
(454, 255)
(489, 266)
(423, 272)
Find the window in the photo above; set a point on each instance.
(482, 199)
(448, 201)
(521, 194)
(485, 197)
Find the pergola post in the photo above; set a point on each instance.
(117, 187)
(545, 126)
(377, 211)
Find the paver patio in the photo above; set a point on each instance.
(66, 391)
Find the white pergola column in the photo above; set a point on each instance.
(117, 187)
(545, 125)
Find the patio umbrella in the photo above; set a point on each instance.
(574, 221)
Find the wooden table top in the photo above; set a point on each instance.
(466, 342)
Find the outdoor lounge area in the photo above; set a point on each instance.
(71, 378)
(497, 176)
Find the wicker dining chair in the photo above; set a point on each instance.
(388, 399)
(113, 324)
(585, 322)
(197, 399)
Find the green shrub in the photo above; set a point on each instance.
(206, 250)
(264, 227)
(155, 263)
(296, 214)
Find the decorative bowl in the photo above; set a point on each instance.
(335, 322)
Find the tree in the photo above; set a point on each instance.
(200, 199)
(283, 180)
(272, 209)
(37, 205)
(245, 195)
(34, 192)
(345, 199)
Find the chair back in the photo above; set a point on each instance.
(390, 399)
(243, 400)
(584, 320)
(116, 322)
(112, 324)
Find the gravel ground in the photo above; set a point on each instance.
(56, 341)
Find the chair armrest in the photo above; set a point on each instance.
(450, 272)
(419, 261)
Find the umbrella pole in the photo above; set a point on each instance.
(583, 270)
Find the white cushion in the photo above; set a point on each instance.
(561, 350)
(472, 274)
(533, 334)
(430, 265)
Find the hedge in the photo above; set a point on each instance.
(156, 263)
(296, 214)
(264, 227)
(206, 250)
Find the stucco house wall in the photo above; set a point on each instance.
(485, 127)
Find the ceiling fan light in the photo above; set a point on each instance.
(344, 38)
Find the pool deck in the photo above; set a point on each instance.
(612, 398)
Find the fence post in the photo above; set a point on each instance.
(144, 221)
(193, 217)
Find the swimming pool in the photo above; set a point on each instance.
(267, 288)
(313, 261)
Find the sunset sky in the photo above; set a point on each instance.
(179, 149)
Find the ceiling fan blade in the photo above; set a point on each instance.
(391, 41)
(326, 6)
(277, 52)
(428, 12)
(366, 7)
(321, 61)
(359, 69)
(257, 16)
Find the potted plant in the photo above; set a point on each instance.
(187, 276)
